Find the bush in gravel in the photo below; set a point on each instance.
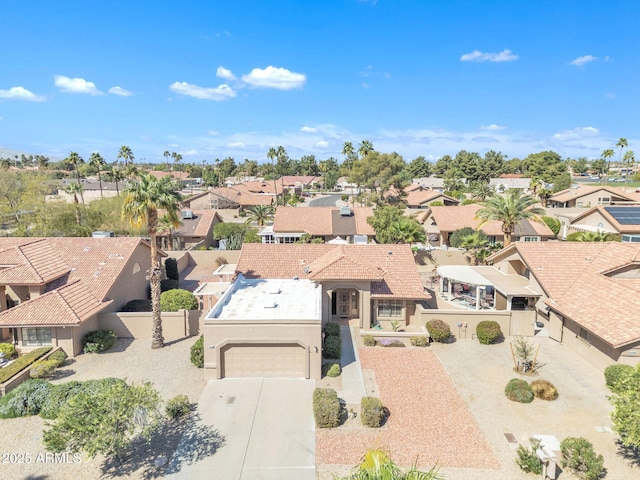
(142, 305)
(578, 455)
(331, 370)
(22, 362)
(60, 394)
(544, 390)
(518, 391)
(171, 267)
(387, 342)
(371, 412)
(326, 408)
(438, 330)
(8, 350)
(419, 341)
(25, 399)
(614, 373)
(178, 299)
(332, 329)
(332, 347)
(177, 407)
(488, 332)
(43, 368)
(369, 341)
(197, 352)
(527, 459)
(99, 341)
(59, 356)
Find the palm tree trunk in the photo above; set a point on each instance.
(100, 180)
(79, 184)
(157, 340)
(507, 239)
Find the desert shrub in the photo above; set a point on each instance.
(99, 341)
(387, 342)
(455, 239)
(419, 341)
(8, 350)
(438, 330)
(488, 332)
(371, 412)
(369, 341)
(332, 347)
(553, 224)
(326, 408)
(59, 396)
(26, 399)
(221, 261)
(176, 299)
(59, 357)
(614, 373)
(544, 390)
(344, 197)
(518, 391)
(468, 201)
(578, 455)
(142, 305)
(43, 368)
(197, 352)
(171, 267)
(527, 459)
(177, 407)
(331, 369)
(22, 362)
(332, 329)
(437, 203)
(168, 284)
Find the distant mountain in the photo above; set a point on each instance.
(9, 153)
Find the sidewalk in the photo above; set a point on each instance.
(353, 388)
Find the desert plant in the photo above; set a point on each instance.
(439, 330)
(326, 408)
(8, 350)
(177, 407)
(371, 412)
(221, 261)
(178, 299)
(22, 362)
(99, 341)
(369, 341)
(197, 352)
(26, 399)
(43, 368)
(578, 455)
(518, 391)
(332, 347)
(387, 342)
(419, 341)
(171, 267)
(613, 374)
(331, 369)
(488, 332)
(527, 458)
(59, 356)
(544, 390)
(523, 350)
(58, 396)
(395, 325)
(332, 329)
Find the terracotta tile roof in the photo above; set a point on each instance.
(418, 197)
(33, 263)
(395, 265)
(240, 196)
(200, 226)
(322, 221)
(582, 190)
(260, 186)
(178, 175)
(291, 180)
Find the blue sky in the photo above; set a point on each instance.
(211, 79)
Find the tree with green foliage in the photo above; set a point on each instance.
(598, 236)
(376, 464)
(553, 224)
(144, 198)
(418, 168)
(235, 234)
(606, 157)
(96, 161)
(481, 191)
(472, 243)
(455, 238)
(178, 299)
(74, 161)
(391, 226)
(407, 230)
(510, 209)
(626, 404)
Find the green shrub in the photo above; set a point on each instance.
(387, 342)
(553, 224)
(419, 341)
(178, 407)
(332, 329)
(99, 341)
(488, 332)
(614, 373)
(326, 408)
(142, 305)
(8, 350)
(22, 362)
(527, 458)
(518, 391)
(43, 368)
(455, 239)
(544, 390)
(59, 396)
(369, 341)
(26, 399)
(177, 299)
(468, 201)
(438, 330)
(344, 198)
(197, 352)
(332, 347)
(437, 203)
(168, 284)
(59, 356)
(171, 267)
(578, 455)
(371, 412)
(331, 369)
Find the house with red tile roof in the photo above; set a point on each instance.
(590, 294)
(237, 196)
(52, 289)
(591, 195)
(195, 229)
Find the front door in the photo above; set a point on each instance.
(344, 304)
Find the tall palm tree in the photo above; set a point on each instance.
(166, 156)
(96, 160)
(349, 152)
(509, 209)
(166, 224)
(366, 147)
(177, 158)
(272, 154)
(260, 214)
(630, 159)
(73, 189)
(126, 154)
(622, 143)
(481, 191)
(144, 198)
(407, 230)
(472, 243)
(606, 156)
(75, 160)
(118, 176)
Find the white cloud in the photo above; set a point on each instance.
(190, 153)
(580, 61)
(321, 144)
(213, 133)
(225, 74)
(76, 85)
(576, 133)
(121, 92)
(235, 145)
(493, 127)
(20, 93)
(218, 94)
(478, 56)
(306, 129)
(274, 77)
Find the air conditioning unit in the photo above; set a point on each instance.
(102, 234)
(345, 211)
(186, 214)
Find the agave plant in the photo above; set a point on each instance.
(377, 465)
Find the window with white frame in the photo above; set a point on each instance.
(530, 239)
(36, 337)
(389, 308)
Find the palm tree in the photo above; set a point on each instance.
(407, 230)
(606, 156)
(281, 155)
(166, 224)
(509, 209)
(349, 152)
(272, 155)
(166, 156)
(177, 158)
(131, 171)
(598, 236)
(630, 159)
(260, 214)
(481, 191)
(96, 160)
(118, 176)
(74, 160)
(472, 243)
(365, 148)
(622, 143)
(125, 153)
(144, 198)
(377, 465)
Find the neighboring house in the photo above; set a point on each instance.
(52, 289)
(591, 294)
(343, 183)
(327, 223)
(196, 229)
(623, 220)
(230, 181)
(432, 183)
(228, 197)
(420, 197)
(297, 183)
(90, 191)
(269, 323)
(590, 196)
(509, 182)
(440, 222)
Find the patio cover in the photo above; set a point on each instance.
(507, 284)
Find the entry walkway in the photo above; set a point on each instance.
(353, 388)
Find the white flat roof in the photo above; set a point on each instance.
(269, 299)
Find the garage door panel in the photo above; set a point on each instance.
(264, 360)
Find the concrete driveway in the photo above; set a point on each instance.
(268, 428)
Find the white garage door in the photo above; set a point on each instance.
(264, 360)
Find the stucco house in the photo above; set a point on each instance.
(590, 196)
(508, 182)
(269, 322)
(195, 229)
(229, 197)
(420, 197)
(622, 220)
(52, 289)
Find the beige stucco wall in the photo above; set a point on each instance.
(175, 325)
(70, 338)
(130, 285)
(592, 220)
(364, 302)
(470, 318)
(202, 203)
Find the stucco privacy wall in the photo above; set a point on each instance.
(175, 325)
(203, 258)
